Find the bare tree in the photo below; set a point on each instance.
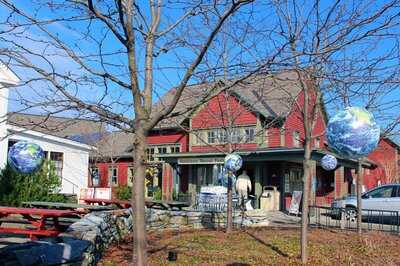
(100, 58)
(337, 52)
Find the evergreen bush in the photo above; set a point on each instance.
(42, 185)
(123, 192)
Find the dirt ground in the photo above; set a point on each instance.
(262, 246)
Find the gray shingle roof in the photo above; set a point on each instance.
(114, 145)
(270, 95)
(58, 126)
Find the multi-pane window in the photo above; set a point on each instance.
(296, 139)
(57, 158)
(130, 176)
(249, 133)
(113, 175)
(317, 142)
(212, 136)
(236, 135)
(175, 149)
(162, 150)
(150, 154)
(94, 174)
(222, 136)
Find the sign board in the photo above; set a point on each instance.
(94, 193)
(212, 198)
(213, 160)
(295, 203)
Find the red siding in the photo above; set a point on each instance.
(170, 138)
(274, 137)
(294, 122)
(385, 156)
(122, 172)
(215, 148)
(219, 110)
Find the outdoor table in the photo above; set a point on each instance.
(80, 208)
(122, 204)
(166, 205)
(37, 218)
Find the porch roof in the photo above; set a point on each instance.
(259, 155)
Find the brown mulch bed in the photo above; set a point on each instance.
(262, 246)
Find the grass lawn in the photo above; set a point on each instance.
(262, 246)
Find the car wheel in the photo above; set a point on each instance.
(351, 214)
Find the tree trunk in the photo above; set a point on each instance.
(306, 191)
(229, 206)
(138, 204)
(359, 203)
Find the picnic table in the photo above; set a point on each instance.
(37, 219)
(166, 204)
(122, 204)
(80, 208)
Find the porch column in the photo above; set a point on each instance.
(192, 184)
(257, 184)
(339, 182)
(167, 181)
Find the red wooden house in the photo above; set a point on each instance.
(262, 121)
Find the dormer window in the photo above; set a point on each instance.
(249, 134)
(222, 136)
(211, 136)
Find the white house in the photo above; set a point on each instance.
(71, 158)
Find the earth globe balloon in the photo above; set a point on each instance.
(233, 162)
(328, 162)
(25, 157)
(353, 133)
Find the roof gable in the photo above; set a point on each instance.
(270, 95)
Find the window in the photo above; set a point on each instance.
(296, 139)
(57, 158)
(211, 136)
(94, 175)
(113, 175)
(317, 142)
(222, 136)
(175, 149)
(295, 180)
(150, 154)
(130, 176)
(249, 133)
(383, 192)
(162, 150)
(236, 136)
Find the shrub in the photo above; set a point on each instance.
(157, 195)
(42, 185)
(123, 192)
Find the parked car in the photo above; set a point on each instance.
(377, 201)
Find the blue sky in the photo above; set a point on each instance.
(171, 64)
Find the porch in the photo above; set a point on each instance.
(282, 168)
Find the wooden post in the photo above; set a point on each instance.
(229, 205)
(359, 203)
